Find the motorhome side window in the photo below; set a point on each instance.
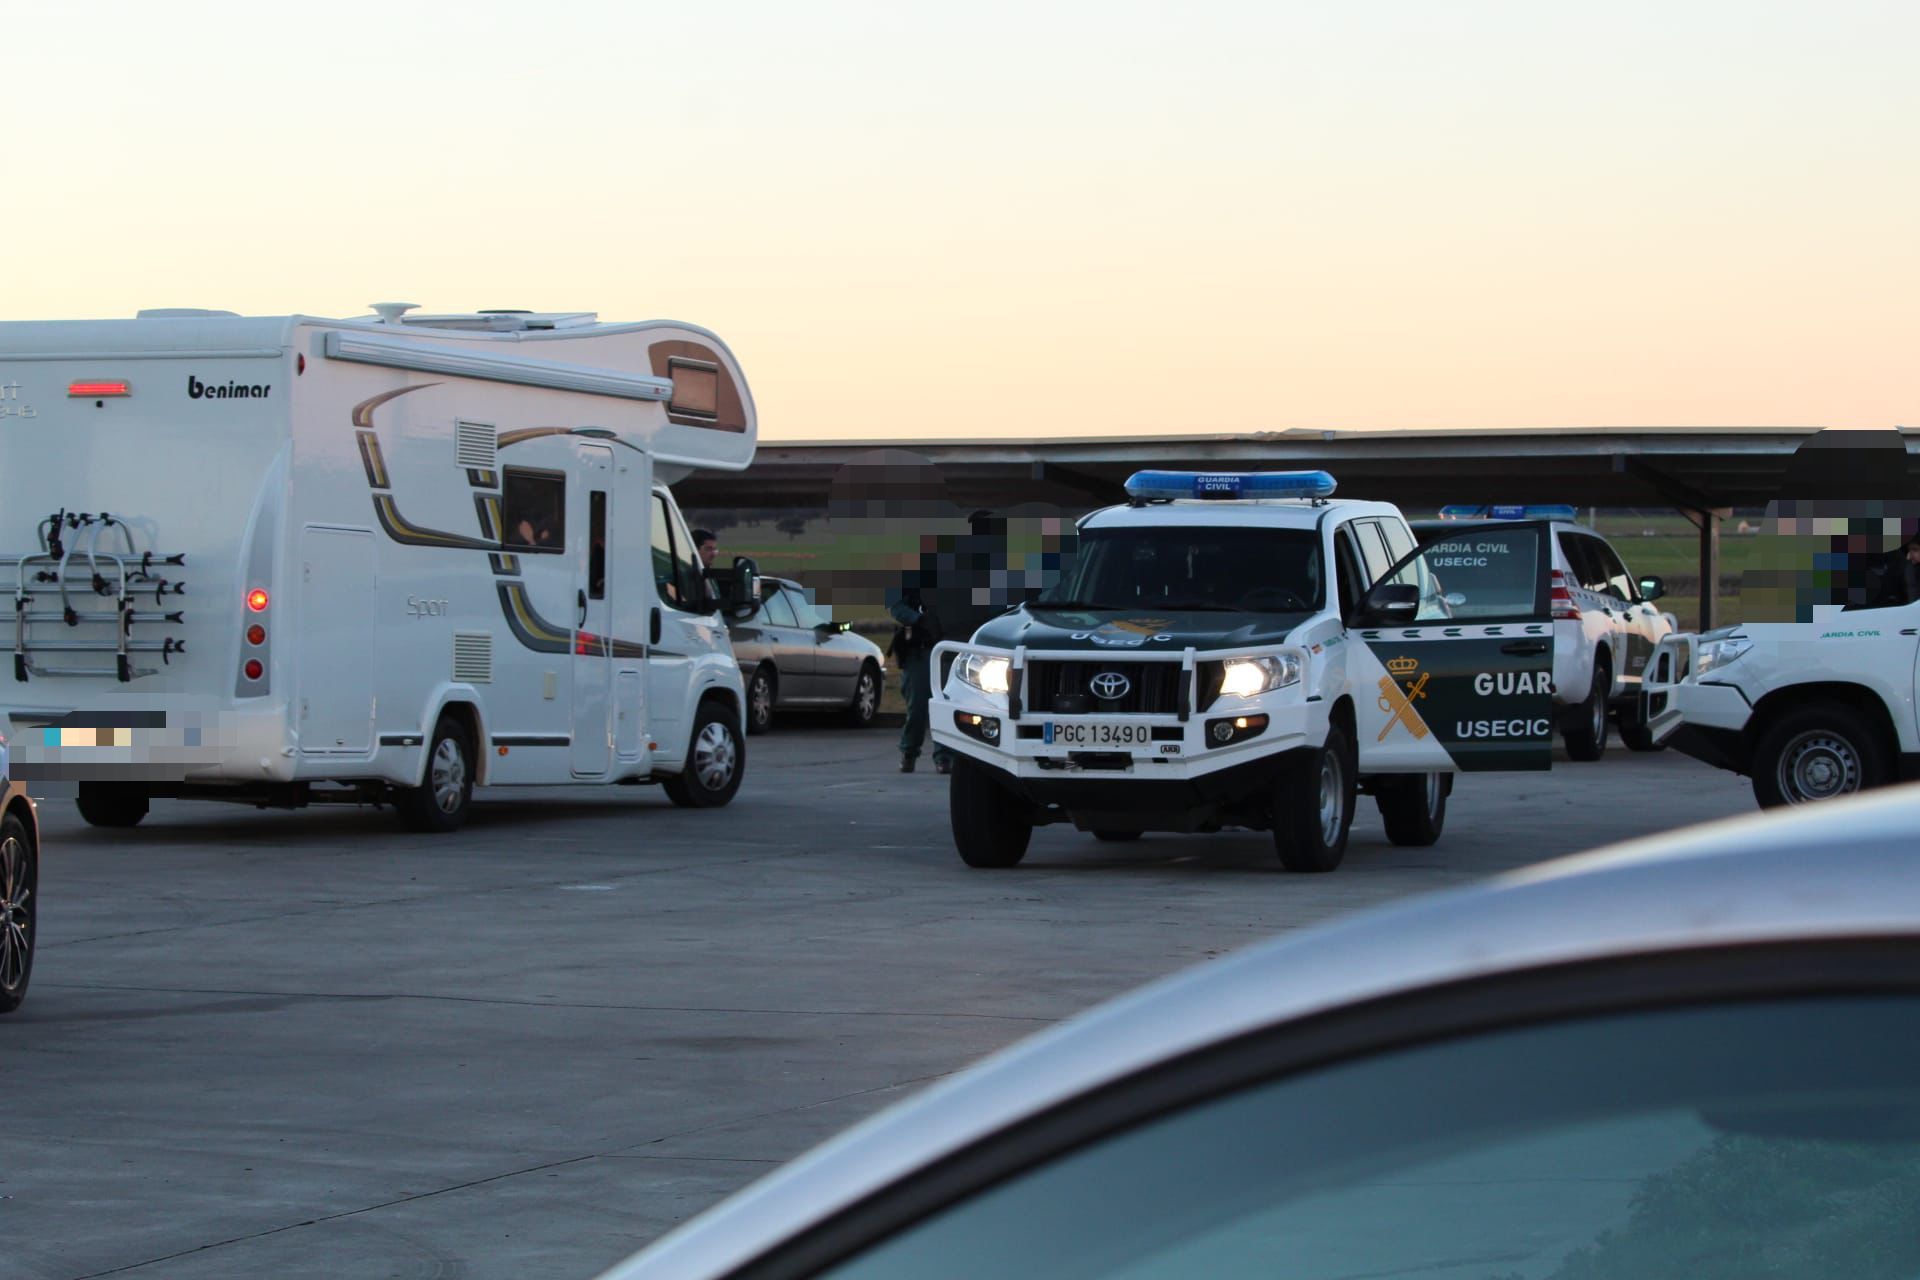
(676, 567)
(533, 509)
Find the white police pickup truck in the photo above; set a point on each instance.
(1241, 650)
(1808, 710)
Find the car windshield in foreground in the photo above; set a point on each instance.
(1764, 1138)
(1236, 569)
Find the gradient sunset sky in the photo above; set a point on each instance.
(1041, 219)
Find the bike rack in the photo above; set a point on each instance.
(72, 566)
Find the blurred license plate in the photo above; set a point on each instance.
(1120, 733)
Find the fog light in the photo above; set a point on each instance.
(1233, 729)
(975, 725)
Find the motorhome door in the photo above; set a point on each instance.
(592, 514)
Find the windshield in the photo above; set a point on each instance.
(1239, 568)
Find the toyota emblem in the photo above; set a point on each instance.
(1109, 685)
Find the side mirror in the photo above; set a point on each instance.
(1391, 602)
(744, 590)
(831, 628)
(1652, 587)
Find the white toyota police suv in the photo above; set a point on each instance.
(1240, 650)
(1808, 710)
(1604, 624)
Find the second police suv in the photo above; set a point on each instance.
(1240, 650)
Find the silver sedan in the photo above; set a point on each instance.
(794, 657)
(1693, 1056)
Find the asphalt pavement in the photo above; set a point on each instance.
(263, 1043)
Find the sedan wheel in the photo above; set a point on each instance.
(866, 698)
(760, 701)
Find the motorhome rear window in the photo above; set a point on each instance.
(533, 507)
(696, 388)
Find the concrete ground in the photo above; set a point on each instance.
(267, 1044)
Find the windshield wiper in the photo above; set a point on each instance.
(1191, 606)
(1077, 604)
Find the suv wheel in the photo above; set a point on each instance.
(1634, 734)
(991, 825)
(1413, 806)
(107, 804)
(1313, 806)
(1817, 753)
(1585, 727)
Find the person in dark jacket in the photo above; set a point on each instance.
(1909, 569)
(912, 647)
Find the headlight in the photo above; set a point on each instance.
(1247, 677)
(989, 675)
(1714, 654)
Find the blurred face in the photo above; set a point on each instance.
(708, 550)
(1913, 553)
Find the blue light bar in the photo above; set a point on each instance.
(1511, 511)
(1162, 486)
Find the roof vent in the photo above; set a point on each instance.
(390, 312)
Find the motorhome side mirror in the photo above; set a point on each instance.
(1391, 602)
(1652, 587)
(746, 581)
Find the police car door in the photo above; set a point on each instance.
(1453, 669)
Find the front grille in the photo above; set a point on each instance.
(1066, 688)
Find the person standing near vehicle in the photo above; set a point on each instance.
(1910, 570)
(912, 647)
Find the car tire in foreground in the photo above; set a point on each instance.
(1817, 753)
(1413, 806)
(1313, 806)
(716, 760)
(865, 707)
(19, 904)
(445, 795)
(991, 825)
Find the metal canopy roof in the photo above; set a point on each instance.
(1702, 468)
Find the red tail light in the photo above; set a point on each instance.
(257, 600)
(98, 389)
(1563, 607)
(256, 634)
(254, 669)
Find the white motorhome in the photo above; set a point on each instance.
(285, 559)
